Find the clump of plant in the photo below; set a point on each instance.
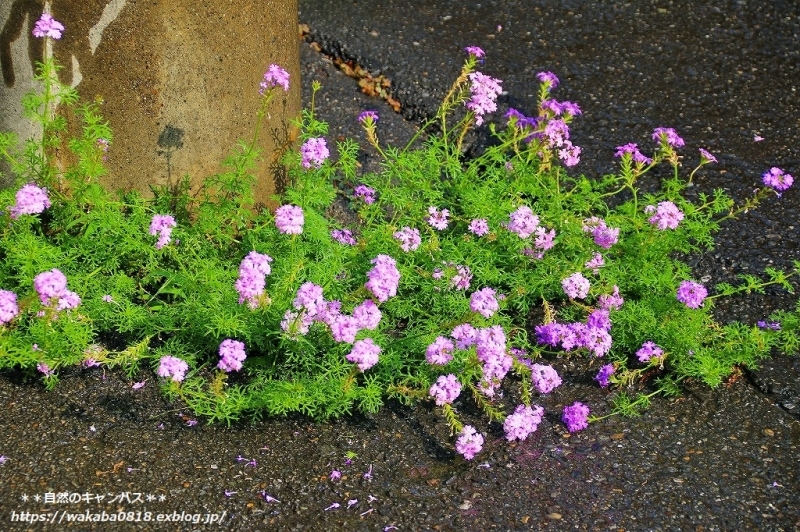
(460, 276)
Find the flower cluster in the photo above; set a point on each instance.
(173, 367)
(777, 179)
(440, 351)
(314, 152)
(231, 354)
(691, 294)
(548, 79)
(649, 350)
(545, 378)
(365, 193)
(593, 335)
(484, 303)
(522, 422)
(52, 289)
(289, 219)
(445, 390)
(603, 236)
(469, 442)
(343, 236)
(8, 306)
(490, 346)
(523, 222)
(632, 150)
(475, 51)
(484, 90)
(252, 273)
(365, 353)
(47, 26)
(437, 218)
(576, 286)
(611, 301)
(667, 215)
(409, 238)
(383, 278)
(30, 200)
(667, 136)
(368, 117)
(576, 416)
(479, 227)
(604, 375)
(162, 225)
(273, 77)
(595, 263)
(460, 280)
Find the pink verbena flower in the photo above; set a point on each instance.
(47, 26)
(777, 179)
(68, 300)
(667, 135)
(440, 351)
(595, 263)
(649, 350)
(162, 225)
(173, 367)
(273, 77)
(667, 215)
(44, 368)
(409, 238)
(469, 442)
(474, 50)
(545, 378)
(365, 353)
(706, 157)
(691, 294)
(30, 199)
(314, 152)
(231, 354)
(368, 117)
(365, 193)
(523, 222)
(251, 282)
(524, 421)
(50, 285)
(344, 328)
(343, 236)
(576, 416)
(464, 335)
(576, 286)
(484, 302)
(611, 301)
(8, 306)
(484, 90)
(296, 324)
(549, 79)
(479, 226)
(632, 150)
(383, 278)
(289, 219)
(445, 390)
(437, 218)
(367, 315)
(309, 297)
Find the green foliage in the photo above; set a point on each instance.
(140, 303)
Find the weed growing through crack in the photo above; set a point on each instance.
(459, 277)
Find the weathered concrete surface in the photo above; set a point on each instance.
(179, 79)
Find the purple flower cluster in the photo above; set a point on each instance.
(632, 150)
(465, 336)
(475, 51)
(593, 335)
(545, 378)
(691, 294)
(173, 367)
(162, 225)
(469, 442)
(479, 227)
(667, 215)
(273, 77)
(484, 90)
(777, 179)
(445, 389)
(524, 421)
(667, 136)
(484, 303)
(437, 218)
(343, 236)
(289, 219)
(706, 157)
(368, 117)
(523, 222)
(604, 375)
(775, 325)
(595, 263)
(383, 278)
(52, 289)
(314, 152)
(604, 236)
(409, 238)
(365, 193)
(365, 353)
(367, 315)
(649, 350)
(549, 79)
(47, 26)
(231, 354)
(611, 301)
(576, 416)
(440, 352)
(296, 324)
(251, 282)
(557, 108)
(30, 200)
(8, 306)
(576, 286)
(491, 350)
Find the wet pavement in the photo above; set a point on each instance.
(724, 459)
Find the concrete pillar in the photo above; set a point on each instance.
(179, 79)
